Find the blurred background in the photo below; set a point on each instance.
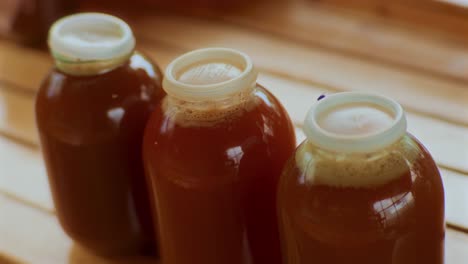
(413, 51)
(28, 20)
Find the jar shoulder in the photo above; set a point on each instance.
(262, 115)
(105, 104)
(312, 165)
(138, 76)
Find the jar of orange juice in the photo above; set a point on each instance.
(360, 189)
(213, 151)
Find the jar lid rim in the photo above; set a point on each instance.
(220, 90)
(360, 143)
(85, 37)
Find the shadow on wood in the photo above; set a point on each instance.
(79, 255)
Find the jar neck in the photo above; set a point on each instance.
(325, 153)
(209, 104)
(208, 112)
(77, 67)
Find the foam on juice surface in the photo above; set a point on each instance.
(355, 119)
(357, 170)
(209, 72)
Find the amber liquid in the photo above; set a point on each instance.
(91, 131)
(215, 186)
(401, 222)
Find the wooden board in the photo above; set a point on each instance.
(302, 49)
(446, 16)
(361, 36)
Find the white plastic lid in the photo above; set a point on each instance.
(355, 122)
(209, 74)
(90, 37)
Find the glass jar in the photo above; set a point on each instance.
(360, 189)
(91, 111)
(213, 154)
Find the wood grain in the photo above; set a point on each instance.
(34, 236)
(456, 198)
(23, 175)
(455, 247)
(360, 36)
(17, 116)
(23, 232)
(423, 94)
(442, 15)
(25, 68)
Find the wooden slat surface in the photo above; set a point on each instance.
(26, 240)
(361, 36)
(302, 50)
(424, 94)
(34, 236)
(447, 15)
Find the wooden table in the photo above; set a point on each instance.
(302, 49)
